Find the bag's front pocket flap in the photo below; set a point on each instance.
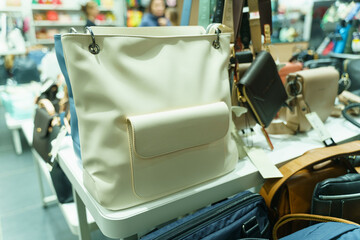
(162, 133)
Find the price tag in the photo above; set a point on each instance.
(261, 161)
(254, 15)
(320, 128)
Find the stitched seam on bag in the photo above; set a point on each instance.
(176, 151)
(209, 36)
(131, 142)
(85, 172)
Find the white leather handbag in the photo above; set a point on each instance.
(153, 106)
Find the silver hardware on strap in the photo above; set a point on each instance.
(216, 43)
(93, 47)
(72, 30)
(293, 87)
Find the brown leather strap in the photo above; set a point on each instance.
(228, 18)
(307, 217)
(265, 15)
(255, 26)
(309, 158)
(238, 6)
(346, 97)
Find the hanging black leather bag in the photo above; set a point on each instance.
(261, 89)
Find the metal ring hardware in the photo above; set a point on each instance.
(216, 43)
(72, 30)
(345, 79)
(93, 47)
(293, 87)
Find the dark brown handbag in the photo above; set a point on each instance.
(261, 89)
(293, 192)
(43, 126)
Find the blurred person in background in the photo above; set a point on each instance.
(91, 11)
(172, 14)
(155, 15)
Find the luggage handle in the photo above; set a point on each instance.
(307, 217)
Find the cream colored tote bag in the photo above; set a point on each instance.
(154, 110)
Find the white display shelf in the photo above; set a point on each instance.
(58, 24)
(68, 24)
(12, 52)
(106, 24)
(64, 8)
(54, 7)
(105, 9)
(68, 209)
(44, 41)
(10, 9)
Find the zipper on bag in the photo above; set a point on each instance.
(339, 197)
(207, 218)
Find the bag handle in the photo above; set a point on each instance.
(308, 159)
(307, 217)
(255, 25)
(49, 107)
(347, 116)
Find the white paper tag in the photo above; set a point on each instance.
(58, 141)
(318, 125)
(261, 161)
(254, 15)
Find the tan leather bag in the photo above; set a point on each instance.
(293, 192)
(310, 90)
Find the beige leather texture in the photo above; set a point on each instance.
(153, 109)
(319, 88)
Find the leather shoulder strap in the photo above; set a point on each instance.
(228, 19)
(255, 27)
(186, 11)
(265, 15)
(238, 6)
(309, 158)
(219, 8)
